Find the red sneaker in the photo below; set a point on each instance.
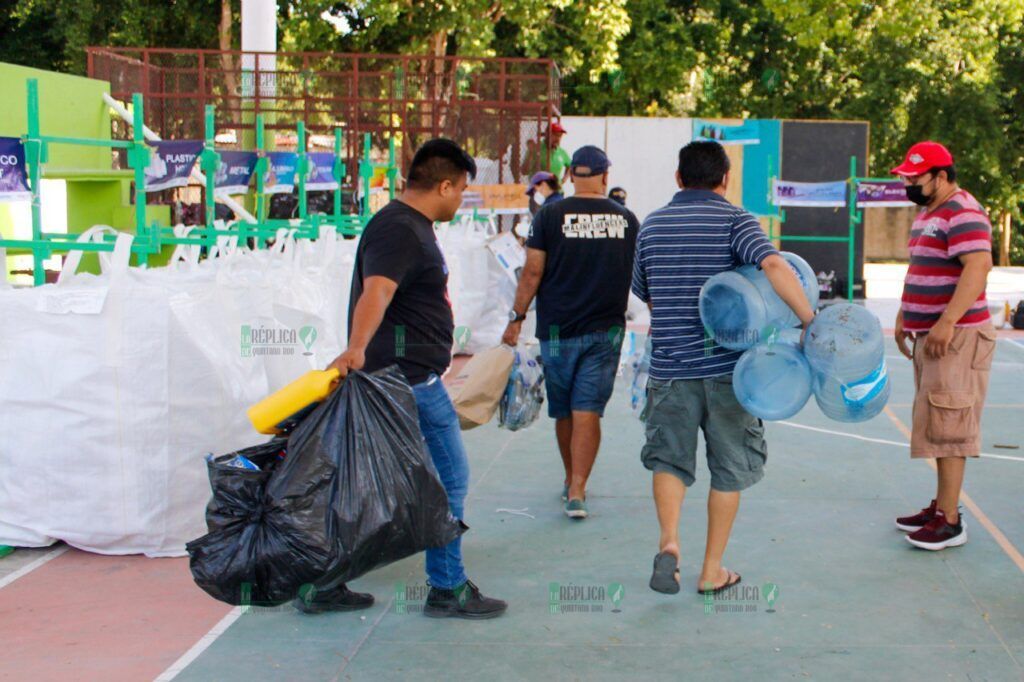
(939, 534)
(917, 521)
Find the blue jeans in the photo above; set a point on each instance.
(579, 373)
(440, 427)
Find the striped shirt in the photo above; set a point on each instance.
(699, 234)
(937, 240)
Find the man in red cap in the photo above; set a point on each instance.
(555, 159)
(945, 313)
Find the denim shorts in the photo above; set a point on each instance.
(579, 372)
(676, 410)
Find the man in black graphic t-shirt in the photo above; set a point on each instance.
(399, 314)
(579, 264)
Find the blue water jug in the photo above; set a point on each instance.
(739, 308)
(846, 350)
(772, 380)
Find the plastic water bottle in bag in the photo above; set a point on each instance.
(636, 366)
(772, 380)
(524, 394)
(846, 351)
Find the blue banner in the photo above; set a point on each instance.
(13, 177)
(171, 163)
(280, 177)
(234, 172)
(321, 171)
(830, 194)
(747, 132)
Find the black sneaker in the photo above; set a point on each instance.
(917, 521)
(938, 534)
(465, 601)
(339, 599)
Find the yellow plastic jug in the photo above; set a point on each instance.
(282, 410)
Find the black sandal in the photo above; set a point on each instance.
(728, 583)
(663, 578)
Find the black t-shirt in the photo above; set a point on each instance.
(416, 333)
(590, 244)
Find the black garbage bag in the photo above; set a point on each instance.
(356, 490)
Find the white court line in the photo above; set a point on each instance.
(1019, 344)
(880, 441)
(202, 645)
(28, 568)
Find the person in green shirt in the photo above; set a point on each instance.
(556, 160)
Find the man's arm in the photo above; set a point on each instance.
(787, 286)
(973, 279)
(366, 318)
(529, 282)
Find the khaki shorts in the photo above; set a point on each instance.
(949, 394)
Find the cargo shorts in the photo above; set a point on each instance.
(949, 394)
(676, 410)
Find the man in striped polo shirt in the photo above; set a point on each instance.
(697, 235)
(945, 313)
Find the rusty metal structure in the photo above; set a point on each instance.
(498, 108)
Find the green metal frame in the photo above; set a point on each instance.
(850, 239)
(150, 239)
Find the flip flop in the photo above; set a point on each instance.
(665, 567)
(728, 583)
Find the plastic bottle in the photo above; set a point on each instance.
(846, 350)
(772, 380)
(636, 366)
(524, 394)
(739, 308)
(282, 410)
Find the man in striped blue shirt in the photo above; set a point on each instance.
(697, 235)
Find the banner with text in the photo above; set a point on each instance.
(280, 178)
(321, 171)
(234, 172)
(826, 194)
(747, 132)
(171, 163)
(882, 194)
(13, 177)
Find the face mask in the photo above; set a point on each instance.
(916, 194)
(539, 198)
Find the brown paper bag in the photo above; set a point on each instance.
(477, 389)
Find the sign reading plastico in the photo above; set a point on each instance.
(13, 178)
(881, 194)
(830, 194)
(171, 163)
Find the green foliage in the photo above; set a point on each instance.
(951, 70)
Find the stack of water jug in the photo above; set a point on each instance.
(842, 360)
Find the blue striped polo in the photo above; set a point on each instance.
(697, 235)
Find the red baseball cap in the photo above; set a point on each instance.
(922, 157)
(556, 127)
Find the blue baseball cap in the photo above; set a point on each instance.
(538, 178)
(589, 161)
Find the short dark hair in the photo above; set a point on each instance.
(702, 164)
(438, 160)
(552, 183)
(950, 172)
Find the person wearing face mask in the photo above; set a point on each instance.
(944, 313)
(579, 261)
(544, 189)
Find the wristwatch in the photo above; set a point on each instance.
(513, 316)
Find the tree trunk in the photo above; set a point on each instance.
(1006, 229)
(224, 42)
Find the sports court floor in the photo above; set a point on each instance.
(831, 590)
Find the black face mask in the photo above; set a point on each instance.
(916, 194)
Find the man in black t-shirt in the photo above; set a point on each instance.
(579, 263)
(400, 314)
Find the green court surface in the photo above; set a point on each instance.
(852, 600)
